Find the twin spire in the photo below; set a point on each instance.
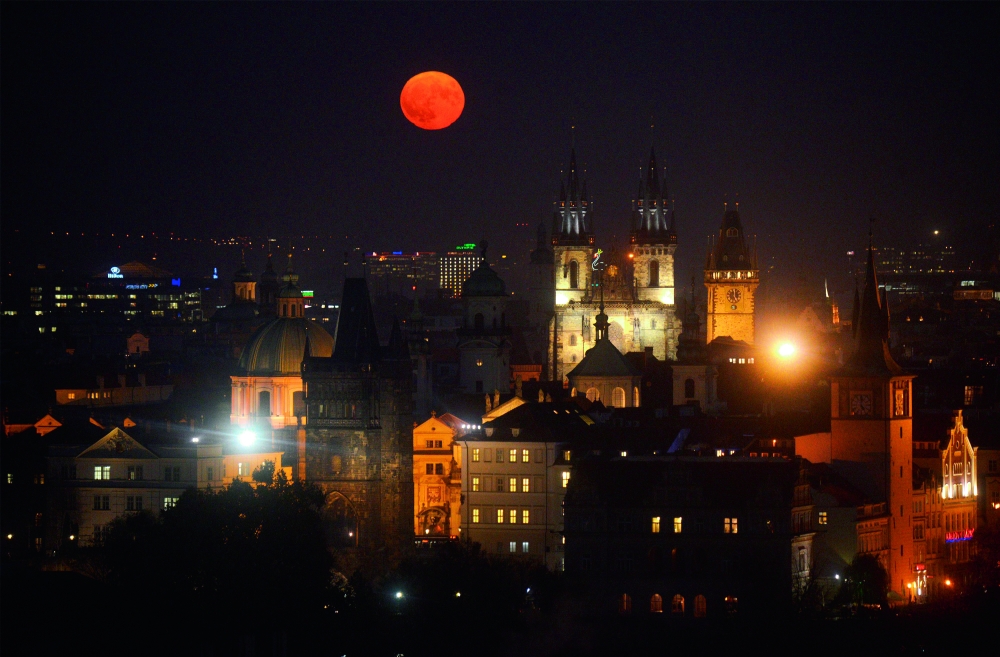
(652, 219)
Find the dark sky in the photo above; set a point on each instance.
(281, 119)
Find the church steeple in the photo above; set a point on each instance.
(602, 318)
(871, 353)
(571, 220)
(650, 221)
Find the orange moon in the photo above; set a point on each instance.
(432, 100)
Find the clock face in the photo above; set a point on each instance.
(861, 403)
(733, 295)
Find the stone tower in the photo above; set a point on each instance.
(357, 437)
(871, 435)
(653, 239)
(731, 276)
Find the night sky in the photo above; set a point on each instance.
(212, 120)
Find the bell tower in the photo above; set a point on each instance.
(731, 276)
(871, 436)
(572, 239)
(653, 239)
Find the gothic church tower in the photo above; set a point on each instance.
(731, 276)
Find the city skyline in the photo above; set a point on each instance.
(262, 120)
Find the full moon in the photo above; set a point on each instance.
(432, 100)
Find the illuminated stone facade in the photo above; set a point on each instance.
(638, 281)
(437, 477)
(731, 277)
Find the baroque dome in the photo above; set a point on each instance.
(484, 282)
(277, 347)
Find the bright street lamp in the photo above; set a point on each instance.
(246, 438)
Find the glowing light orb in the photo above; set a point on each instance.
(432, 100)
(786, 350)
(246, 438)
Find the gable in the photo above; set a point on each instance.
(117, 444)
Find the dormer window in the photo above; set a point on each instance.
(732, 232)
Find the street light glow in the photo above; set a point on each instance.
(399, 595)
(786, 350)
(246, 438)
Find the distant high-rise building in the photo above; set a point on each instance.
(457, 266)
(408, 274)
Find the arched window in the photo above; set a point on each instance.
(699, 606)
(572, 340)
(656, 604)
(635, 397)
(732, 232)
(689, 388)
(618, 398)
(677, 604)
(294, 309)
(593, 394)
(574, 275)
(284, 310)
(478, 321)
(654, 273)
(572, 358)
(264, 403)
(625, 604)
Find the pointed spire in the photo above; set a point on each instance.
(872, 332)
(856, 311)
(602, 319)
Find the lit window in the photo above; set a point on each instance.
(525, 456)
(513, 547)
(656, 524)
(512, 457)
(512, 485)
(475, 455)
(656, 604)
(565, 479)
(170, 502)
(822, 517)
(102, 472)
(567, 454)
(525, 516)
(678, 525)
(241, 469)
(513, 516)
(730, 526)
(525, 547)
(475, 516)
(526, 485)
(475, 484)
(500, 516)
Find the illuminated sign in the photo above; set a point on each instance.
(466, 247)
(397, 253)
(115, 273)
(597, 260)
(954, 537)
(215, 272)
(176, 282)
(141, 286)
(307, 294)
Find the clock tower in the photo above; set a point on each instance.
(871, 436)
(731, 277)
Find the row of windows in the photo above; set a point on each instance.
(677, 604)
(135, 472)
(512, 547)
(729, 525)
(486, 454)
(503, 516)
(436, 468)
(509, 484)
(132, 502)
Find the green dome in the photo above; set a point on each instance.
(278, 346)
(484, 282)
